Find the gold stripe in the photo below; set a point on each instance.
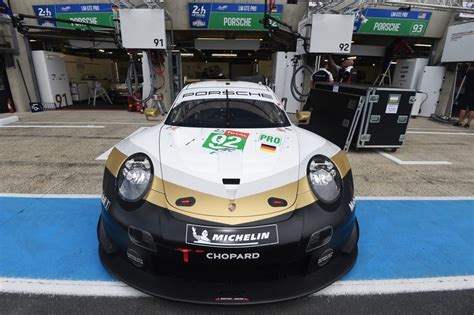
(114, 161)
(156, 198)
(342, 163)
(157, 185)
(210, 205)
(215, 209)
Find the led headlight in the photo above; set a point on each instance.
(324, 179)
(134, 177)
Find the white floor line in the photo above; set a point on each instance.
(91, 196)
(400, 162)
(421, 198)
(57, 196)
(105, 155)
(88, 122)
(118, 289)
(55, 126)
(442, 133)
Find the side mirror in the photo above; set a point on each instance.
(151, 113)
(303, 117)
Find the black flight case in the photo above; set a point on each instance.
(379, 120)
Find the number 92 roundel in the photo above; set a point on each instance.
(227, 194)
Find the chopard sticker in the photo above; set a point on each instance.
(229, 139)
(211, 236)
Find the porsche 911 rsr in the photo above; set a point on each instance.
(227, 201)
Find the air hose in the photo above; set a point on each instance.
(132, 82)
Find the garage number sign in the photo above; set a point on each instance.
(229, 16)
(92, 13)
(391, 22)
(227, 140)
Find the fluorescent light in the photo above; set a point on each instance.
(101, 50)
(422, 45)
(352, 58)
(210, 38)
(393, 63)
(33, 40)
(187, 55)
(175, 50)
(224, 55)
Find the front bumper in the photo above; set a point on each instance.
(194, 286)
(177, 269)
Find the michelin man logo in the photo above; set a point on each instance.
(203, 238)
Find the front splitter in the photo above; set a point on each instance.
(226, 292)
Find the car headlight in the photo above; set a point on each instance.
(324, 179)
(134, 177)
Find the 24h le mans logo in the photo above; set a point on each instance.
(228, 140)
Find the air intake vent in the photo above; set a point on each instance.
(319, 238)
(231, 181)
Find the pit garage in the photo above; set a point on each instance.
(237, 156)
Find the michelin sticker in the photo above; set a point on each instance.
(224, 237)
(226, 140)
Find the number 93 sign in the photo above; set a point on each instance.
(227, 140)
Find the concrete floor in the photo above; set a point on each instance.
(61, 160)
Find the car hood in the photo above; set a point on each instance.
(229, 172)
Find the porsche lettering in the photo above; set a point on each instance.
(223, 93)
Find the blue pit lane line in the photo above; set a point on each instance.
(55, 238)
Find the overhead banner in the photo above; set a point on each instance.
(229, 16)
(93, 13)
(391, 22)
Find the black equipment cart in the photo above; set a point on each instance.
(379, 120)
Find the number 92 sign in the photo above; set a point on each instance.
(228, 140)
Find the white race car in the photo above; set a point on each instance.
(227, 201)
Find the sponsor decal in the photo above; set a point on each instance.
(273, 140)
(211, 236)
(230, 93)
(232, 256)
(352, 205)
(226, 140)
(267, 148)
(105, 202)
(269, 143)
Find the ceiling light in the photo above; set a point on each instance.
(393, 63)
(224, 55)
(101, 50)
(422, 45)
(187, 55)
(33, 40)
(352, 58)
(210, 38)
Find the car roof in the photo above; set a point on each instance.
(227, 84)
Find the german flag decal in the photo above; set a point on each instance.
(267, 148)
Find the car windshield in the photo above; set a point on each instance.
(226, 113)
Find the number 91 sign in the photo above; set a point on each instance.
(331, 33)
(143, 28)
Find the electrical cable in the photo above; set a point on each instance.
(299, 96)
